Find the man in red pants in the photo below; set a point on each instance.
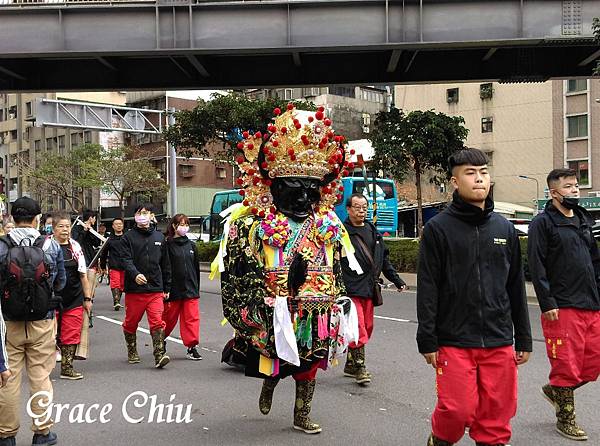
(471, 303)
(147, 284)
(372, 255)
(564, 261)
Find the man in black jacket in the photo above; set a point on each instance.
(372, 255)
(565, 269)
(147, 284)
(113, 252)
(82, 235)
(470, 301)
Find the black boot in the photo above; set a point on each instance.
(304, 395)
(158, 341)
(266, 395)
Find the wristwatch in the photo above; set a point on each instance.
(88, 299)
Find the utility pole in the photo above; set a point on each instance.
(172, 167)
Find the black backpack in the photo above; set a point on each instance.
(26, 280)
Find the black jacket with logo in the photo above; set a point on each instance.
(144, 252)
(185, 265)
(470, 285)
(564, 260)
(361, 285)
(113, 251)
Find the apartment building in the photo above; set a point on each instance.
(515, 124)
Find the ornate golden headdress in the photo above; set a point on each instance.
(291, 149)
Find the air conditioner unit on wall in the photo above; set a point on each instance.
(595, 193)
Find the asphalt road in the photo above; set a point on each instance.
(394, 410)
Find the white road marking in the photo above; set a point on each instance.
(392, 319)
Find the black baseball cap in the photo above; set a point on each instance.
(25, 207)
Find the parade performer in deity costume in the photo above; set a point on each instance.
(281, 277)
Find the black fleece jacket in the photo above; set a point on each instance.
(470, 285)
(145, 252)
(185, 265)
(361, 285)
(564, 260)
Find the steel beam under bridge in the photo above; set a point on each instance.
(108, 45)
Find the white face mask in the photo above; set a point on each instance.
(142, 219)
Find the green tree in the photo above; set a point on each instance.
(221, 120)
(419, 141)
(65, 175)
(124, 175)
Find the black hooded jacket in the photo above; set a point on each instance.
(114, 253)
(145, 252)
(564, 260)
(185, 267)
(361, 285)
(470, 285)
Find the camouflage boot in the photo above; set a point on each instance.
(435, 441)
(362, 376)
(563, 400)
(304, 395)
(116, 293)
(158, 343)
(66, 363)
(266, 395)
(132, 354)
(350, 367)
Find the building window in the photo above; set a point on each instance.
(186, 170)
(348, 92)
(28, 109)
(12, 112)
(486, 91)
(577, 126)
(452, 95)
(581, 167)
(87, 137)
(37, 144)
(221, 173)
(61, 144)
(49, 143)
(490, 155)
(575, 85)
(487, 125)
(14, 135)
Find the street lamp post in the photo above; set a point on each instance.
(537, 188)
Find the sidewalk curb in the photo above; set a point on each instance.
(411, 281)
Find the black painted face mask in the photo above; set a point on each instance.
(569, 202)
(295, 197)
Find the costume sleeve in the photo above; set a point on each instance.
(338, 273)
(537, 248)
(429, 277)
(243, 288)
(3, 354)
(515, 287)
(388, 269)
(81, 266)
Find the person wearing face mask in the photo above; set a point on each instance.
(564, 262)
(147, 284)
(46, 224)
(281, 279)
(182, 303)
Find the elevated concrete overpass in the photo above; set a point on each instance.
(51, 45)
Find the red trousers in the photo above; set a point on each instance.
(187, 312)
(364, 309)
(308, 375)
(136, 304)
(70, 326)
(573, 346)
(117, 279)
(476, 387)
